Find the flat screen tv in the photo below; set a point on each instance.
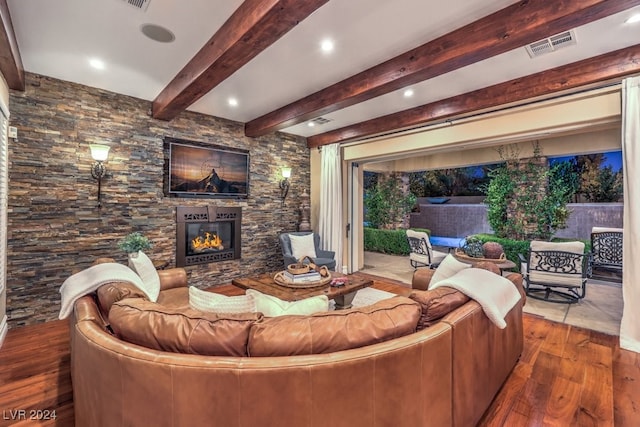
(202, 170)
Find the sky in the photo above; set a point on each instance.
(612, 158)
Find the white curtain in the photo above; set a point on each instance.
(630, 325)
(330, 216)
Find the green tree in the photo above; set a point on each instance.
(386, 205)
(598, 183)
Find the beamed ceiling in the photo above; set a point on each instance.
(457, 57)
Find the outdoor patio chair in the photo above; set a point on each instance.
(422, 254)
(606, 249)
(556, 271)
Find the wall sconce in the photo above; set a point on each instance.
(99, 153)
(284, 184)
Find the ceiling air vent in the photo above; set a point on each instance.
(320, 121)
(138, 4)
(551, 44)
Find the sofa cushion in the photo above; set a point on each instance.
(272, 306)
(174, 298)
(110, 293)
(182, 330)
(437, 303)
(216, 303)
(334, 330)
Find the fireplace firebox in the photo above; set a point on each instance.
(207, 234)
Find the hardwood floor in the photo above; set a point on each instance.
(567, 376)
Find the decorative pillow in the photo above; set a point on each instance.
(334, 330)
(302, 246)
(181, 330)
(142, 265)
(216, 303)
(436, 303)
(447, 268)
(272, 306)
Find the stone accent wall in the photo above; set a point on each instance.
(55, 227)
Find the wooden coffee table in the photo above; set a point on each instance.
(343, 296)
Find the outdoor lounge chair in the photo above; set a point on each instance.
(606, 249)
(422, 254)
(556, 271)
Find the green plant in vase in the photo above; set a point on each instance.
(134, 243)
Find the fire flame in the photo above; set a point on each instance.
(210, 241)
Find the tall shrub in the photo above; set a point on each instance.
(386, 204)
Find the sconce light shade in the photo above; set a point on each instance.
(99, 152)
(284, 184)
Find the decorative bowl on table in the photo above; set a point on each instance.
(459, 254)
(283, 279)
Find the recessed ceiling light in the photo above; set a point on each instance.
(311, 124)
(327, 45)
(633, 19)
(408, 93)
(233, 102)
(96, 63)
(157, 33)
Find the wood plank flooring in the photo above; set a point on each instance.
(566, 376)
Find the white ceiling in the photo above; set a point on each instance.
(57, 39)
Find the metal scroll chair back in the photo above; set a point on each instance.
(422, 253)
(556, 271)
(606, 248)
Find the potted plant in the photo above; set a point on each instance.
(133, 243)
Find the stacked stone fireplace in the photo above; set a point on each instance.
(207, 234)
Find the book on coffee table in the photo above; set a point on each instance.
(312, 276)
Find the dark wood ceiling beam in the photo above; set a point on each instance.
(512, 27)
(253, 27)
(10, 60)
(604, 68)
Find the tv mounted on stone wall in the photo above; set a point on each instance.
(196, 169)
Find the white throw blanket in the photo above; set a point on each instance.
(496, 294)
(92, 278)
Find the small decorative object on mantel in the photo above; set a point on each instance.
(133, 243)
(305, 211)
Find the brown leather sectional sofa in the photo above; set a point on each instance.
(446, 374)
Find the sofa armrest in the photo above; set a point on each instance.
(421, 278)
(173, 278)
(517, 279)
